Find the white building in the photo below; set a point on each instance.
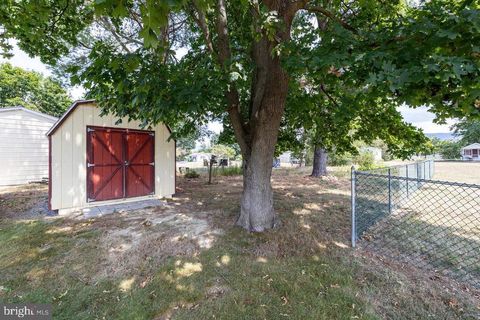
(285, 158)
(23, 145)
(471, 152)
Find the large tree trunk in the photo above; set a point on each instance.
(320, 157)
(257, 213)
(257, 135)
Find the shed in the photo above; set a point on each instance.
(97, 160)
(471, 152)
(23, 145)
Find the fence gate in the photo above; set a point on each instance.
(401, 213)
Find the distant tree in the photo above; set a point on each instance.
(448, 149)
(31, 90)
(333, 116)
(187, 139)
(214, 138)
(468, 131)
(223, 151)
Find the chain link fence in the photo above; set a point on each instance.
(401, 213)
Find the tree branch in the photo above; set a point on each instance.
(202, 23)
(233, 100)
(224, 52)
(110, 27)
(260, 57)
(322, 87)
(330, 15)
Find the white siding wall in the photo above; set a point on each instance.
(69, 156)
(23, 147)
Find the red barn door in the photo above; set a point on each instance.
(139, 164)
(120, 163)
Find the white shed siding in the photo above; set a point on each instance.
(69, 157)
(23, 146)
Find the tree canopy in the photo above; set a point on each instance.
(243, 56)
(468, 131)
(31, 90)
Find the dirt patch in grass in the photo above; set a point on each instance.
(24, 201)
(153, 237)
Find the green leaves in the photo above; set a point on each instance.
(114, 8)
(45, 28)
(31, 90)
(468, 131)
(427, 54)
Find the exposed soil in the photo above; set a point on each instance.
(24, 202)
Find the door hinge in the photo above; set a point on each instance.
(89, 165)
(152, 134)
(90, 200)
(152, 163)
(90, 130)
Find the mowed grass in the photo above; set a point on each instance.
(303, 270)
(463, 172)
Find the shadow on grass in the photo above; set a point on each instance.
(304, 270)
(225, 280)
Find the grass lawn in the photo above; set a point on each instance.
(186, 260)
(466, 172)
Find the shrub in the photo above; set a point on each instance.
(339, 159)
(365, 161)
(191, 174)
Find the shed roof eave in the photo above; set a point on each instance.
(66, 114)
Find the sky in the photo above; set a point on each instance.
(420, 117)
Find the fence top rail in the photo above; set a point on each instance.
(393, 177)
(395, 166)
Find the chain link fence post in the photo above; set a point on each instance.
(354, 231)
(389, 191)
(406, 176)
(417, 164)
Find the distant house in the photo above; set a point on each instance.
(23, 145)
(285, 158)
(471, 152)
(199, 157)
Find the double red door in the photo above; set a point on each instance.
(120, 163)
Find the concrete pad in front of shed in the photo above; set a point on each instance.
(101, 210)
